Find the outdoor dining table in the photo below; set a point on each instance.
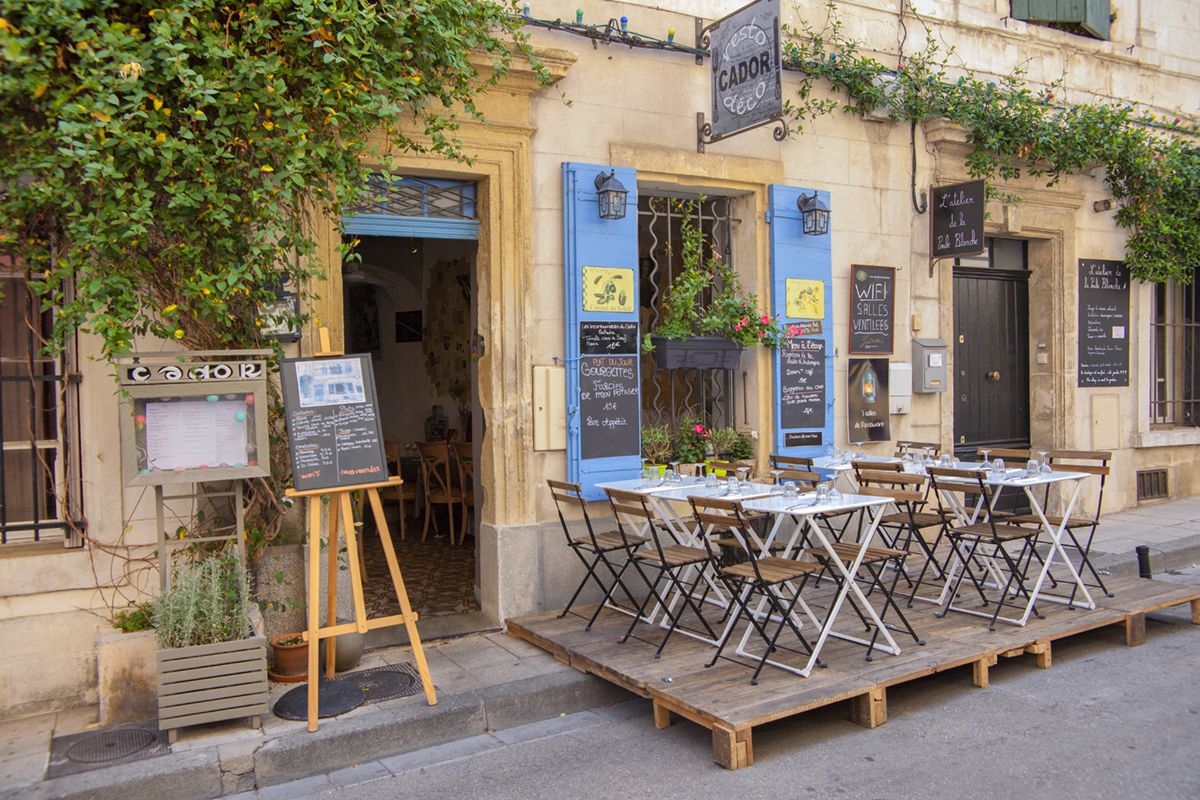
(1019, 479)
(794, 522)
(843, 469)
(659, 496)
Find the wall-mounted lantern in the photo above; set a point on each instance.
(815, 214)
(612, 196)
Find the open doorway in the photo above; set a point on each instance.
(410, 303)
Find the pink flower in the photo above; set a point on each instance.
(738, 326)
(700, 429)
(745, 321)
(765, 319)
(761, 334)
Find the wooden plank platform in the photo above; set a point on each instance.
(722, 699)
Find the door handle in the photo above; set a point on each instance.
(994, 375)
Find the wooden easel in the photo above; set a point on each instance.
(341, 509)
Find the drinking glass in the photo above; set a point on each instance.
(671, 477)
(986, 463)
(775, 488)
(743, 474)
(945, 460)
(1045, 467)
(835, 496)
(791, 490)
(859, 455)
(1031, 467)
(647, 477)
(998, 469)
(731, 485)
(906, 462)
(822, 493)
(710, 479)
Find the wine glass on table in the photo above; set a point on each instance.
(1045, 466)
(776, 488)
(987, 464)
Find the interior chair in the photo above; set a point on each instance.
(403, 493)
(755, 576)
(981, 545)
(464, 457)
(665, 562)
(594, 549)
(438, 484)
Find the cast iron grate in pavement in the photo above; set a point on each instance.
(386, 683)
(89, 750)
(334, 697)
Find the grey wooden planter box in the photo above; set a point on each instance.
(697, 352)
(212, 682)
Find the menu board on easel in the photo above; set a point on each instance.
(334, 434)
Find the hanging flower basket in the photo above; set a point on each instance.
(696, 352)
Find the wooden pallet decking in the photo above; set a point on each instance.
(723, 700)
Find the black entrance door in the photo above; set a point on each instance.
(991, 359)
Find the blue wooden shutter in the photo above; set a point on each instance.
(1092, 15)
(796, 256)
(589, 241)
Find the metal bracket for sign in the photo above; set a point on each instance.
(704, 131)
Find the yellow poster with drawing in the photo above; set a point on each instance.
(805, 299)
(607, 289)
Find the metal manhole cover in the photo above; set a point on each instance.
(111, 745)
(386, 683)
(334, 697)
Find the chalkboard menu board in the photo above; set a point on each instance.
(607, 338)
(332, 422)
(867, 400)
(802, 382)
(1103, 323)
(609, 406)
(872, 310)
(957, 226)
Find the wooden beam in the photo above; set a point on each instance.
(1042, 651)
(732, 749)
(1196, 612)
(662, 716)
(980, 671)
(869, 710)
(1135, 630)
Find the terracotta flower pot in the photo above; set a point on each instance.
(291, 659)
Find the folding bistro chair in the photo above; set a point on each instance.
(910, 521)
(726, 467)
(980, 545)
(930, 448)
(1095, 462)
(756, 575)
(790, 462)
(668, 562)
(595, 548)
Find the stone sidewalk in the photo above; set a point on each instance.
(487, 683)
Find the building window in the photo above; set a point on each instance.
(1174, 362)
(39, 435)
(1083, 17)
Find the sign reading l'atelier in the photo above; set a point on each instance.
(747, 66)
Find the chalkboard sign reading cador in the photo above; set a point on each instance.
(332, 422)
(1103, 323)
(609, 406)
(607, 338)
(872, 310)
(957, 225)
(802, 382)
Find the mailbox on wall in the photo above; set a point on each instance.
(929, 366)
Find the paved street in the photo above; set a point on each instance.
(1105, 722)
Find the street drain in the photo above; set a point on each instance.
(386, 683)
(81, 752)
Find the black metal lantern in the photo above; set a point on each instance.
(612, 196)
(815, 214)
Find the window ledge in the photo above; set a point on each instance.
(1169, 437)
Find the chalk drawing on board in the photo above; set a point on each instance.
(330, 382)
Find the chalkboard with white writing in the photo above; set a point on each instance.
(956, 228)
(802, 382)
(609, 406)
(333, 422)
(607, 338)
(872, 310)
(1103, 323)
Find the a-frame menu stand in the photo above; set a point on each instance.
(341, 511)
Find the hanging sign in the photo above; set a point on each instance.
(872, 310)
(332, 422)
(957, 225)
(867, 400)
(747, 85)
(1103, 323)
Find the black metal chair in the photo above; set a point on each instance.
(594, 549)
(910, 521)
(757, 575)
(665, 561)
(979, 542)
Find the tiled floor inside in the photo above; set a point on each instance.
(439, 576)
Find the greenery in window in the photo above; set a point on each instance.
(1151, 165)
(706, 298)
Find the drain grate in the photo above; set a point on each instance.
(90, 750)
(386, 683)
(334, 697)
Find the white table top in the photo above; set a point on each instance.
(826, 462)
(721, 490)
(806, 504)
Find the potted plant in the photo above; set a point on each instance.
(656, 445)
(211, 664)
(707, 319)
(691, 441)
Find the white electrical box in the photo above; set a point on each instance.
(899, 387)
(549, 408)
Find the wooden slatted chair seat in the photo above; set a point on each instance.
(610, 540)
(1053, 519)
(922, 519)
(732, 543)
(773, 570)
(1002, 532)
(848, 551)
(677, 555)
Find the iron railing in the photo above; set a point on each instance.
(1174, 364)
